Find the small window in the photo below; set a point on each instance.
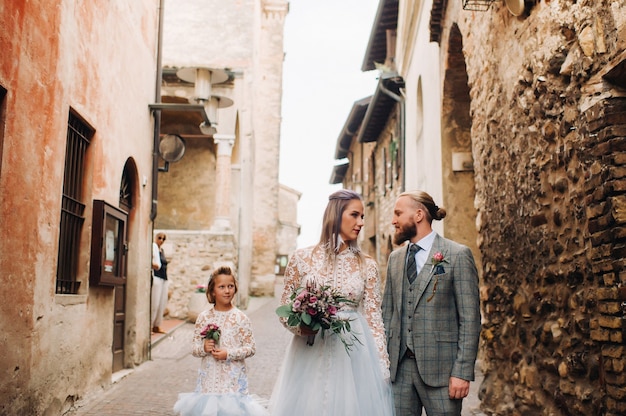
(281, 264)
(79, 135)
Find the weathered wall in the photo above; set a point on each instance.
(289, 229)
(245, 37)
(437, 122)
(192, 256)
(187, 192)
(457, 166)
(548, 173)
(59, 55)
(268, 77)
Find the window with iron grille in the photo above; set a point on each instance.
(72, 206)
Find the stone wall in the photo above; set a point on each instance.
(547, 140)
(267, 117)
(192, 256)
(606, 235)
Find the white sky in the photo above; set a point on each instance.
(325, 42)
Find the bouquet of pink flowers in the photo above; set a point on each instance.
(316, 308)
(211, 331)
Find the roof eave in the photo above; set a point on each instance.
(386, 18)
(387, 95)
(351, 127)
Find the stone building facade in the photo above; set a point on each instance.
(76, 137)
(512, 113)
(220, 203)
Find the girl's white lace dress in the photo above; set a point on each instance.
(323, 379)
(222, 386)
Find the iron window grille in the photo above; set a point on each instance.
(72, 207)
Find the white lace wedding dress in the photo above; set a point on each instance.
(323, 379)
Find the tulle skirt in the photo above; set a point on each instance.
(324, 380)
(209, 404)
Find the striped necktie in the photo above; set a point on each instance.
(411, 267)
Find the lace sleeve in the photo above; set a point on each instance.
(245, 338)
(292, 282)
(372, 310)
(197, 343)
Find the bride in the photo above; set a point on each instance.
(326, 378)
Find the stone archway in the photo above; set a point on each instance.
(125, 294)
(456, 145)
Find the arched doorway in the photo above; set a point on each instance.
(128, 187)
(456, 145)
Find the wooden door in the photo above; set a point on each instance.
(119, 318)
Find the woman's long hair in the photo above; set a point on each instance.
(330, 238)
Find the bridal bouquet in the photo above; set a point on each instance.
(316, 307)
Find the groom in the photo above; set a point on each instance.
(431, 312)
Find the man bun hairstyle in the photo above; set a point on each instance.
(426, 203)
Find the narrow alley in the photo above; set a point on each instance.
(152, 388)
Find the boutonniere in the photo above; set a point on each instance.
(438, 259)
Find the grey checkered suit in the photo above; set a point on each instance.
(445, 329)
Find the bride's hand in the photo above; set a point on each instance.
(305, 331)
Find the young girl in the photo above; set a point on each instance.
(222, 386)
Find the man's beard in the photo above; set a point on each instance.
(405, 232)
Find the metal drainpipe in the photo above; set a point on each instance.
(400, 100)
(155, 153)
(157, 117)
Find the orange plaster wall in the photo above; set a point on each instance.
(24, 72)
(98, 58)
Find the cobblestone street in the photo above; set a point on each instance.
(153, 387)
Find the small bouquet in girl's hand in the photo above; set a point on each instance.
(316, 308)
(211, 331)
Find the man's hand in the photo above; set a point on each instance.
(458, 388)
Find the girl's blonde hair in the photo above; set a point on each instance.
(225, 270)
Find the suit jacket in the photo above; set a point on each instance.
(446, 320)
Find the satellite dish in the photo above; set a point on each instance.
(171, 147)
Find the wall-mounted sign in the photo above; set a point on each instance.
(108, 245)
